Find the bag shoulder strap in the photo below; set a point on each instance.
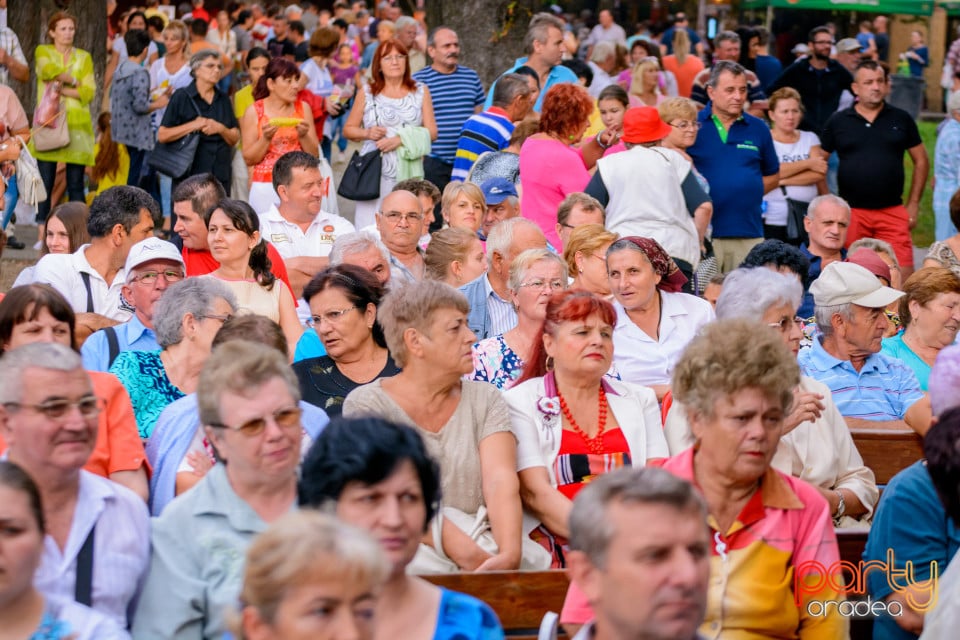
(783, 190)
(86, 283)
(113, 345)
(83, 590)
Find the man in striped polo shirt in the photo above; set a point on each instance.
(456, 93)
(870, 389)
(491, 130)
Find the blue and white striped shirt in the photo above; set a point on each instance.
(884, 388)
(487, 131)
(455, 97)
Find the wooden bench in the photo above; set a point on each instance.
(887, 451)
(519, 598)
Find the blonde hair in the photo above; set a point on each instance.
(636, 76)
(677, 109)
(586, 239)
(728, 356)
(446, 247)
(523, 262)
(306, 546)
(681, 45)
(411, 306)
(453, 190)
(785, 93)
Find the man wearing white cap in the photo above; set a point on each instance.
(152, 265)
(870, 389)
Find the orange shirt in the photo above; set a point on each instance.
(684, 73)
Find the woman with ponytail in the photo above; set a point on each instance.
(233, 233)
(111, 160)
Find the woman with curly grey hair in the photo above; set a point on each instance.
(185, 320)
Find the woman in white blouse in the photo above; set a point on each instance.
(816, 445)
(570, 421)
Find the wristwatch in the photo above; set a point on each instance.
(841, 506)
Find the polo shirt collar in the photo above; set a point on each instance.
(823, 361)
(497, 111)
(273, 214)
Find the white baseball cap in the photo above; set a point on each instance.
(149, 250)
(845, 282)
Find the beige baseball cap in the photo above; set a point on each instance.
(848, 45)
(845, 282)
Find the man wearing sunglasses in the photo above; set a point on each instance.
(97, 549)
(152, 265)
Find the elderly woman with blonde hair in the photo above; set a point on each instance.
(535, 275)
(815, 444)
(463, 206)
(585, 253)
(304, 557)
(465, 425)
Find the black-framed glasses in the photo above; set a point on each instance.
(150, 277)
(285, 418)
(332, 317)
(785, 324)
(56, 408)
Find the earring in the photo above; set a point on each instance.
(580, 270)
(548, 365)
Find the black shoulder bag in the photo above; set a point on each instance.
(361, 179)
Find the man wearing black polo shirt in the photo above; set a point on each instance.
(870, 138)
(734, 151)
(819, 79)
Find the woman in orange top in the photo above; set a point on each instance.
(276, 123)
(684, 65)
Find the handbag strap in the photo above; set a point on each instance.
(783, 190)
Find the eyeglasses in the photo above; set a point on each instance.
(55, 409)
(394, 217)
(286, 418)
(683, 125)
(150, 277)
(784, 324)
(332, 317)
(552, 285)
(213, 316)
(394, 58)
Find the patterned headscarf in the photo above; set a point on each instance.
(671, 279)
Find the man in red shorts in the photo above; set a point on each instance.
(870, 137)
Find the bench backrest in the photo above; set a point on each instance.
(887, 451)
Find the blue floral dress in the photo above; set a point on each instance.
(145, 379)
(495, 362)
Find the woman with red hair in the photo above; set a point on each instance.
(393, 100)
(571, 421)
(551, 164)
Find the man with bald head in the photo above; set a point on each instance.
(400, 223)
(491, 309)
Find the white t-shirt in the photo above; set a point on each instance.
(776, 213)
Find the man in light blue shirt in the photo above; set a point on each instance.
(544, 47)
(870, 389)
(151, 266)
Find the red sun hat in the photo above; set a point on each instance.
(643, 124)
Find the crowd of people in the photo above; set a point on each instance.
(616, 313)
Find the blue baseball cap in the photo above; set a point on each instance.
(496, 190)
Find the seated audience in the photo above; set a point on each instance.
(377, 475)
(429, 196)
(64, 232)
(401, 223)
(38, 313)
(870, 389)
(465, 424)
(28, 612)
(886, 253)
(771, 532)
(152, 265)
(654, 320)
(306, 559)
(661, 597)
(779, 256)
(48, 418)
(491, 309)
(576, 210)
(585, 252)
(186, 319)
(535, 275)
(455, 256)
(247, 396)
(343, 313)
(930, 313)
(815, 444)
(571, 422)
(363, 249)
(245, 268)
(178, 448)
